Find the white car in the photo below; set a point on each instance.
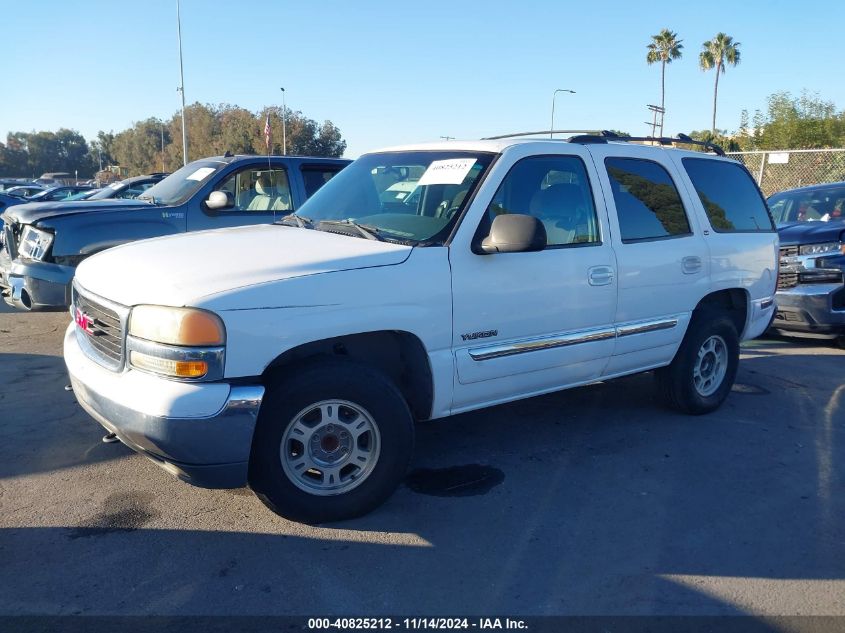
(296, 357)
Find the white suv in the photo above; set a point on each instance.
(296, 357)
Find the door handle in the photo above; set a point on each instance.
(691, 264)
(600, 275)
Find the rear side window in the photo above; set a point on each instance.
(729, 196)
(647, 202)
(316, 177)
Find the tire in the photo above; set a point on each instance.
(704, 369)
(358, 438)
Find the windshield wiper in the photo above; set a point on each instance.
(298, 220)
(366, 230)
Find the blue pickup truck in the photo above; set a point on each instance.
(42, 243)
(811, 292)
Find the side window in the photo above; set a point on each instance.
(315, 177)
(256, 189)
(729, 196)
(555, 190)
(647, 202)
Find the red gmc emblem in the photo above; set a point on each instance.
(85, 322)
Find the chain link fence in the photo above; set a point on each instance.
(787, 169)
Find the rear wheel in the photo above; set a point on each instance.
(333, 441)
(703, 371)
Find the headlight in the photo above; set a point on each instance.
(822, 249)
(177, 326)
(182, 343)
(34, 243)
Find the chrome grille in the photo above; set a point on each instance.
(9, 241)
(787, 275)
(103, 341)
(787, 280)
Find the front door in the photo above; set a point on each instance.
(526, 323)
(259, 193)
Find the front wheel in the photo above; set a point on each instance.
(703, 371)
(333, 441)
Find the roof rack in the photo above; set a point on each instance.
(603, 136)
(549, 132)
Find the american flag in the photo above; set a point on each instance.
(267, 132)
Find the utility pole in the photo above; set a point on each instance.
(284, 124)
(181, 87)
(654, 124)
(162, 146)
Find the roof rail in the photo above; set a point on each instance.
(603, 136)
(549, 132)
(662, 140)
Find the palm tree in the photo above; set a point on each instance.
(718, 53)
(664, 47)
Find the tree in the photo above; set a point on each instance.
(718, 53)
(664, 47)
(805, 122)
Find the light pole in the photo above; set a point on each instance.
(162, 145)
(284, 124)
(181, 87)
(552, 129)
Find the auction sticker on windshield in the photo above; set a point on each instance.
(201, 173)
(447, 172)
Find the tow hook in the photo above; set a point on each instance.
(110, 438)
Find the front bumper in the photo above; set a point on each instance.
(199, 432)
(811, 309)
(31, 285)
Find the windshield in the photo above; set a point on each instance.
(182, 184)
(43, 194)
(82, 195)
(817, 205)
(110, 191)
(407, 196)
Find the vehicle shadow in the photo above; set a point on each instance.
(609, 504)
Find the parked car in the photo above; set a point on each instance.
(24, 191)
(45, 242)
(53, 179)
(296, 357)
(8, 183)
(129, 188)
(811, 293)
(56, 194)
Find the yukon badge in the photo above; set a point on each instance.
(476, 335)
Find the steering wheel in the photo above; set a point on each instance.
(451, 211)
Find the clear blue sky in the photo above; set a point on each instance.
(395, 72)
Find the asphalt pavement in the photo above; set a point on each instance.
(595, 500)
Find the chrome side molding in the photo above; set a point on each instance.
(545, 342)
(572, 338)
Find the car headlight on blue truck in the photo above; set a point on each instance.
(34, 243)
(827, 248)
(178, 343)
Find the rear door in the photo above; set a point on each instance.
(663, 261)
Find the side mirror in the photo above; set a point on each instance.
(515, 233)
(218, 200)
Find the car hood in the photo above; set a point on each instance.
(810, 232)
(33, 212)
(183, 269)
